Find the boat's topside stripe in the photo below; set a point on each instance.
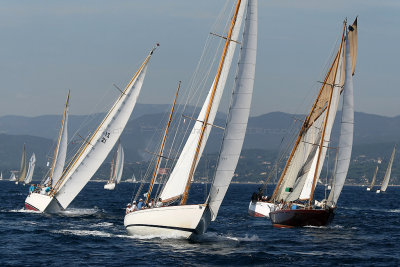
(29, 206)
(163, 226)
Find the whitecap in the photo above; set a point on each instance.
(78, 212)
(24, 211)
(83, 233)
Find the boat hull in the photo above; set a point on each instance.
(42, 203)
(301, 217)
(173, 221)
(110, 186)
(261, 209)
(378, 191)
(368, 189)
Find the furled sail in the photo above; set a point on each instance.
(94, 152)
(175, 186)
(388, 172)
(119, 164)
(31, 168)
(22, 169)
(239, 111)
(346, 132)
(60, 153)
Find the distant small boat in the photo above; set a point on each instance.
(373, 179)
(117, 167)
(385, 182)
(1, 176)
(31, 168)
(22, 170)
(12, 176)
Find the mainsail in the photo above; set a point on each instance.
(22, 170)
(118, 165)
(31, 168)
(385, 182)
(182, 173)
(239, 111)
(303, 168)
(374, 177)
(346, 130)
(96, 148)
(60, 152)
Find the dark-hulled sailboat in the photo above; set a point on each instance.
(295, 189)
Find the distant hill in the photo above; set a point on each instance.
(374, 134)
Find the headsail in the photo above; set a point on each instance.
(60, 152)
(31, 169)
(22, 170)
(374, 177)
(239, 111)
(346, 130)
(119, 164)
(385, 182)
(94, 152)
(187, 162)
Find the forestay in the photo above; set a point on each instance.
(238, 113)
(175, 186)
(97, 147)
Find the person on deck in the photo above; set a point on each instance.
(134, 207)
(140, 205)
(31, 189)
(151, 204)
(159, 203)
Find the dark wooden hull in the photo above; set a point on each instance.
(301, 217)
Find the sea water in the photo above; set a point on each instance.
(365, 231)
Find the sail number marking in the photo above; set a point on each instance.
(105, 137)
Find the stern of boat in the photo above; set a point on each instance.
(109, 186)
(260, 209)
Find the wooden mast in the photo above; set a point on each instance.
(80, 152)
(205, 122)
(162, 145)
(53, 164)
(326, 119)
(302, 130)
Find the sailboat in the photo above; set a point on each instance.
(296, 187)
(13, 177)
(184, 220)
(22, 169)
(1, 176)
(93, 151)
(31, 168)
(373, 179)
(117, 167)
(386, 179)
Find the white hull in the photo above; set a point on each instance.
(261, 209)
(378, 191)
(42, 203)
(16, 182)
(109, 186)
(368, 189)
(172, 221)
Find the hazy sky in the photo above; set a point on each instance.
(48, 47)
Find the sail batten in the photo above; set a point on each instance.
(239, 111)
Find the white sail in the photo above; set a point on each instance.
(13, 177)
(385, 182)
(119, 164)
(177, 181)
(98, 146)
(346, 132)
(60, 153)
(238, 113)
(1, 176)
(31, 168)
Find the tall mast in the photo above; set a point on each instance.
(162, 145)
(205, 122)
(53, 164)
(325, 122)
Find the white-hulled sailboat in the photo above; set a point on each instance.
(295, 189)
(373, 178)
(185, 220)
(93, 151)
(13, 177)
(31, 169)
(388, 172)
(22, 169)
(117, 167)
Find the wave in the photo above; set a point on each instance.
(214, 237)
(83, 233)
(22, 210)
(75, 212)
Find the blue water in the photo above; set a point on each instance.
(365, 231)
